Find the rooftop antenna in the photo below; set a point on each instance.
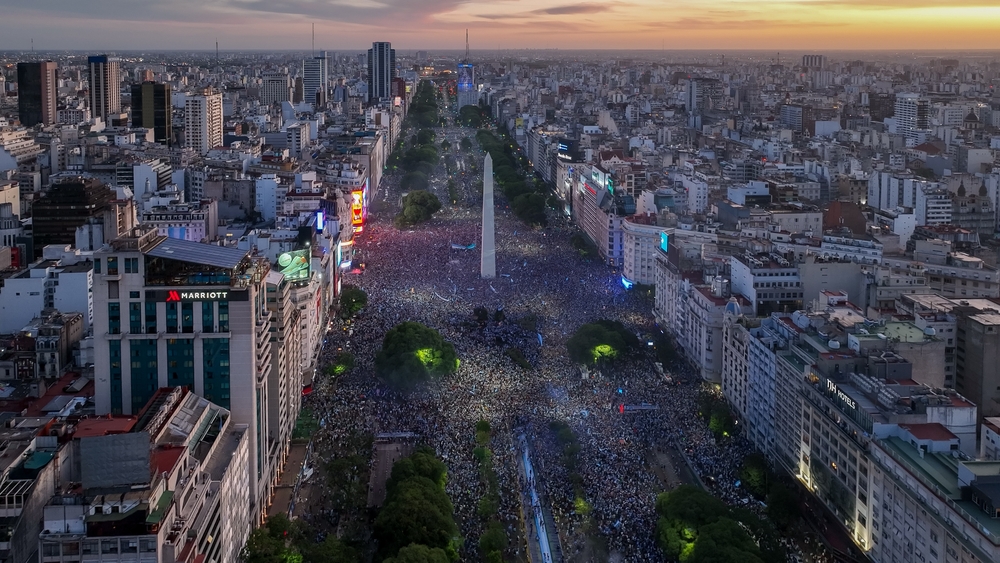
(314, 40)
(33, 44)
(466, 44)
(216, 52)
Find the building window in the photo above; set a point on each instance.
(187, 317)
(207, 316)
(97, 265)
(131, 265)
(172, 317)
(114, 318)
(223, 316)
(112, 265)
(135, 317)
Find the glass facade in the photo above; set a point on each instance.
(223, 316)
(114, 318)
(180, 362)
(135, 317)
(145, 376)
(150, 317)
(215, 370)
(115, 357)
(172, 317)
(207, 316)
(187, 317)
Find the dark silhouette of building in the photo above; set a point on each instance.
(381, 71)
(151, 109)
(36, 92)
(65, 207)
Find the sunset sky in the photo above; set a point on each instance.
(107, 25)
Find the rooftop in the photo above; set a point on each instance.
(933, 431)
(199, 253)
(104, 426)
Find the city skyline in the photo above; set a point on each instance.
(435, 24)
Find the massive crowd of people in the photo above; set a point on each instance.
(415, 275)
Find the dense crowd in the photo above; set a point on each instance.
(415, 275)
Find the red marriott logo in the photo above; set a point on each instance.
(173, 296)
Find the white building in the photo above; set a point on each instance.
(197, 315)
(314, 79)
(641, 238)
(912, 118)
(61, 280)
(155, 489)
(203, 121)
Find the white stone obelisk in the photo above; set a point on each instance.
(488, 267)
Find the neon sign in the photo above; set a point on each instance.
(175, 296)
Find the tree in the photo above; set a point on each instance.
(599, 342)
(416, 553)
(425, 137)
(465, 144)
(418, 206)
(413, 181)
(413, 353)
(445, 145)
(494, 539)
(754, 475)
(420, 463)
(530, 208)
(417, 510)
(696, 527)
(782, 506)
(352, 300)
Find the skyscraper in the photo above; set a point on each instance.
(912, 118)
(203, 121)
(151, 109)
(381, 71)
(467, 93)
(314, 79)
(105, 86)
(36, 93)
(275, 87)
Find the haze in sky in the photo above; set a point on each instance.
(508, 24)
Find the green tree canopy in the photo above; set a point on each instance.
(352, 300)
(425, 137)
(413, 353)
(422, 463)
(417, 510)
(696, 527)
(416, 553)
(414, 181)
(465, 144)
(600, 342)
(418, 206)
(530, 208)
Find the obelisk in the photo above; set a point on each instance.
(488, 266)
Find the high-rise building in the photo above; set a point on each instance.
(276, 87)
(171, 312)
(913, 117)
(36, 93)
(467, 93)
(66, 207)
(151, 109)
(315, 72)
(381, 71)
(203, 121)
(105, 86)
(817, 62)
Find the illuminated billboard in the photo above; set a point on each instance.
(357, 209)
(466, 77)
(295, 265)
